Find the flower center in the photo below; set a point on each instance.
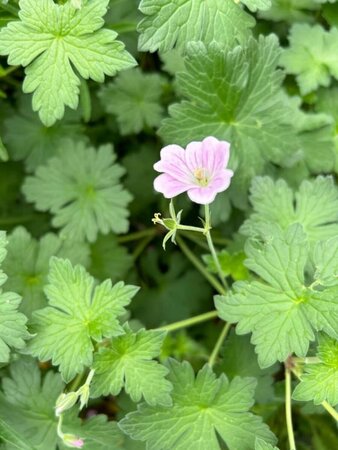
(202, 176)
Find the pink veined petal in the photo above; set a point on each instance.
(215, 154)
(173, 162)
(169, 186)
(193, 156)
(202, 195)
(221, 181)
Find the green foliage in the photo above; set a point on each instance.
(78, 312)
(109, 259)
(36, 143)
(28, 275)
(170, 24)
(311, 56)
(314, 206)
(28, 403)
(253, 5)
(13, 330)
(134, 98)
(262, 445)
(80, 187)
(202, 406)
(231, 264)
(290, 10)
(240, 359)
(248, 110)
(49, 40)
(280, 309)
(128, 362)
(320, 381)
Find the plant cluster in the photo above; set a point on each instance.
(169, 224)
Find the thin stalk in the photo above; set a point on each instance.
(218, 344)
(141, 246)
(212, 248)
(330, 410)
(76, 382)
(199, 266)
(306, 360)
(136, 235)
(189, 322)
(288, 410)
(190, 228)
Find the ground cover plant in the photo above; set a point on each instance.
(168, 224)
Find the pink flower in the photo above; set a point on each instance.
(78, 443)
(200, 170)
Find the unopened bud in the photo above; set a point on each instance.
(72, 441)
(64, 402)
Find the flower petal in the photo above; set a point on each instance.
(173, 162)
(215, 154)
(193, 156)
(202, 195)
(221, 181)
(169, 186)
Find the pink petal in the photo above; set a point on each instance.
(202, 195)
(169, 186)
(215, 154)
(221, 181)
(193, 156)
(173, 162)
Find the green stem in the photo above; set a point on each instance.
(136, 235)
(330, 410)
(141, 246)
(288, 411)
(212, 248)
(218, 344)
(199, 266)
(76, 382)
(190, 228)
(307, 360)
(10, 8)
(196, 239)
(189, 322)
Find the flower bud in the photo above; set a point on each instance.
(64, 402)
(70, 440)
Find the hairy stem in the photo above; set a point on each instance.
(218, 344)
(189, 322)
(330, 409)
(212, 248)
(199, 266)
(288, 411)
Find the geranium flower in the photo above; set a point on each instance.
(200, 170)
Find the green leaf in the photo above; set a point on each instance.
(235, 95)
(128, 362)
(51, 41)
(314, 206)
(173, 24)
(319, 382)
(262, 445)
(280, 309)
(253, 5)
(109, 259)
(13, 330)
(231, 264)
(10, 435)
(246, 365)
(311, 56)
(36, 143)
(134, 98)
(81, 188)
(28, 403)
(202, 407)
(28, 275)
(290, 11)
(79, 313)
